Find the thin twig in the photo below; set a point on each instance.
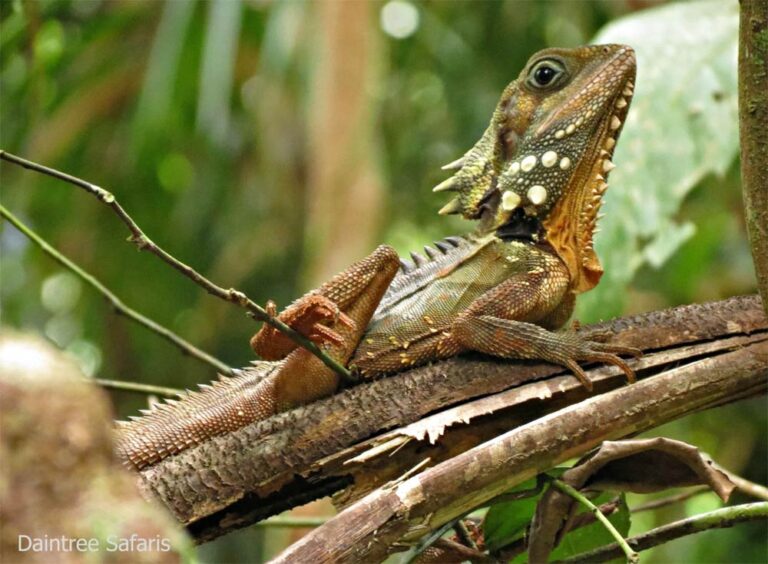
(137, 387)
(292, 522)
(717, 519)
(117, 304)
(464, 552)
(144, 243)
(586, 519)
(425, 542)
(670, 500)
(632, 556)
(463, 534)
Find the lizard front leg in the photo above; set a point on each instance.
(308, 316)
(506, 322)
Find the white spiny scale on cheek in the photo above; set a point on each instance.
(510, 200)
(565, 163)
(528, 163)
(537, 194)
(621, 102)
(559, 134)
(610, 143)
(570, 129)
(548, 159)
(514, 168)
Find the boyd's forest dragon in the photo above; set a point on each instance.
(534, 183)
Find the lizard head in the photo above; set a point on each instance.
(546, 154)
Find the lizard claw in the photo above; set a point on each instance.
(595, 351)
(322, 309)
(308, 316)
(580, 374)
(321, 334)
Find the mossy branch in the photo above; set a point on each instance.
(718, 519)
(753, 131)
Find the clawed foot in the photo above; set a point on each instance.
(308, 317)
(596, 351)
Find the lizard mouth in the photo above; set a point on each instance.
(520, 227)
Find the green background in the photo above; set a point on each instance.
(268, 144)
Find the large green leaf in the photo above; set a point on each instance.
(594, 535)
(682, 126)
(508, 521)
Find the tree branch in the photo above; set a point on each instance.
(117, 304)
(753, 131)
(717, 519)
(392, 517)
(237, 479)
(144, 243)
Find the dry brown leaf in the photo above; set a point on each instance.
(640, 466)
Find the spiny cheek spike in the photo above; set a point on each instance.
(448, 185)
(452, 207)
(454, 165)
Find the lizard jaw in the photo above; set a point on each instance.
(572, 224)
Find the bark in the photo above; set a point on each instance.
(237, 479)
(753, 131)
(392, 517)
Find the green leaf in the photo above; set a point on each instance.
(594, 535)
(591, 536)
(507, 521)
(682, 127)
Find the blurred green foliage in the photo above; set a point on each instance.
(194, 114)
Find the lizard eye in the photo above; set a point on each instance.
(545, 74)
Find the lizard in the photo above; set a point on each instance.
(534, 183)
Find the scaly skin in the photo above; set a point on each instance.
(534, 181)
